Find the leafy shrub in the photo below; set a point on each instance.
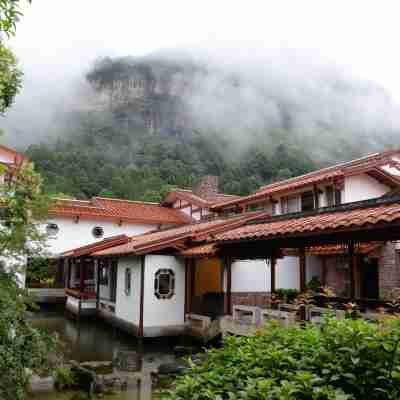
(341, 360)
(287, 295)
(64, 378)
(40, 271)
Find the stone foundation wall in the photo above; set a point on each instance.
(389, 270)
(254, 299)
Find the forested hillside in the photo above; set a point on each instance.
(141, 126)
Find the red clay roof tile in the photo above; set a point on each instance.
(330, 174)
(314, 223)
(119, 210)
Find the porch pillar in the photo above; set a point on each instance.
(81, 275)
(141, 309)
(352, 270)
(60, 273)
(68, 284)
(228, 301)
(97, 266)
(192, 284)
(302, 265)
(273, 274)
(323, 271)
(187, 266)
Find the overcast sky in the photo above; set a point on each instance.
(63, 36)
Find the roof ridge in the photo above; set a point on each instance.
(126, 201)
(328, 169)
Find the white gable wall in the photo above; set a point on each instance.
(362, 187)
(72, 235)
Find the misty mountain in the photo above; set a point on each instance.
(168, 118)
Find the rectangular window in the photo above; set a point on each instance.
(128, 281)
(290, 204)
(103, 273)
(307, 201)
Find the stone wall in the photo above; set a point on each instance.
(389, 271)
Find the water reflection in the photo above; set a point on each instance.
(93, 340)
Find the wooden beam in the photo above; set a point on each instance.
(141, 309)
(273, 274)
(352, 270)
(302, 264)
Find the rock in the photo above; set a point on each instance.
(100, 368)
(128, 361)
(38, 384)
(85, 378)
(181, 351)
(197, 360)
(175, 368)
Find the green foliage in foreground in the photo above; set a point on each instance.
(23, 349)
(342, 360)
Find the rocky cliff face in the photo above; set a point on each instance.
(151, 94)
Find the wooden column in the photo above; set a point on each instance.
(273, 274)
(141, 310)
(352, 270)
(68, 285)
(316, 197)
(187, 266)
(228, 302)
(323, 271)
(302, 259)
(97, 266)
(192, 284)
(81, 275)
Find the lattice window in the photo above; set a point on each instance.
(164, 284)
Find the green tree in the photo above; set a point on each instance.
(10, 75)
(22, 347)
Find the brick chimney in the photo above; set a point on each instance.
(207, 188)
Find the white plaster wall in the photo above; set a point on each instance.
(255, 275)
(288, 273)
(105, 291)
(250, 276)
(164, 312)
(72, 235)
(127, 307)
(362, 187)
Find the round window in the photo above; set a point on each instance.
(98, 232)
(52, 229)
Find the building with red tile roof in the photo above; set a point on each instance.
(378, 166)
(336, 226)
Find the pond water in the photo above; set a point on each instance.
(94, 340)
